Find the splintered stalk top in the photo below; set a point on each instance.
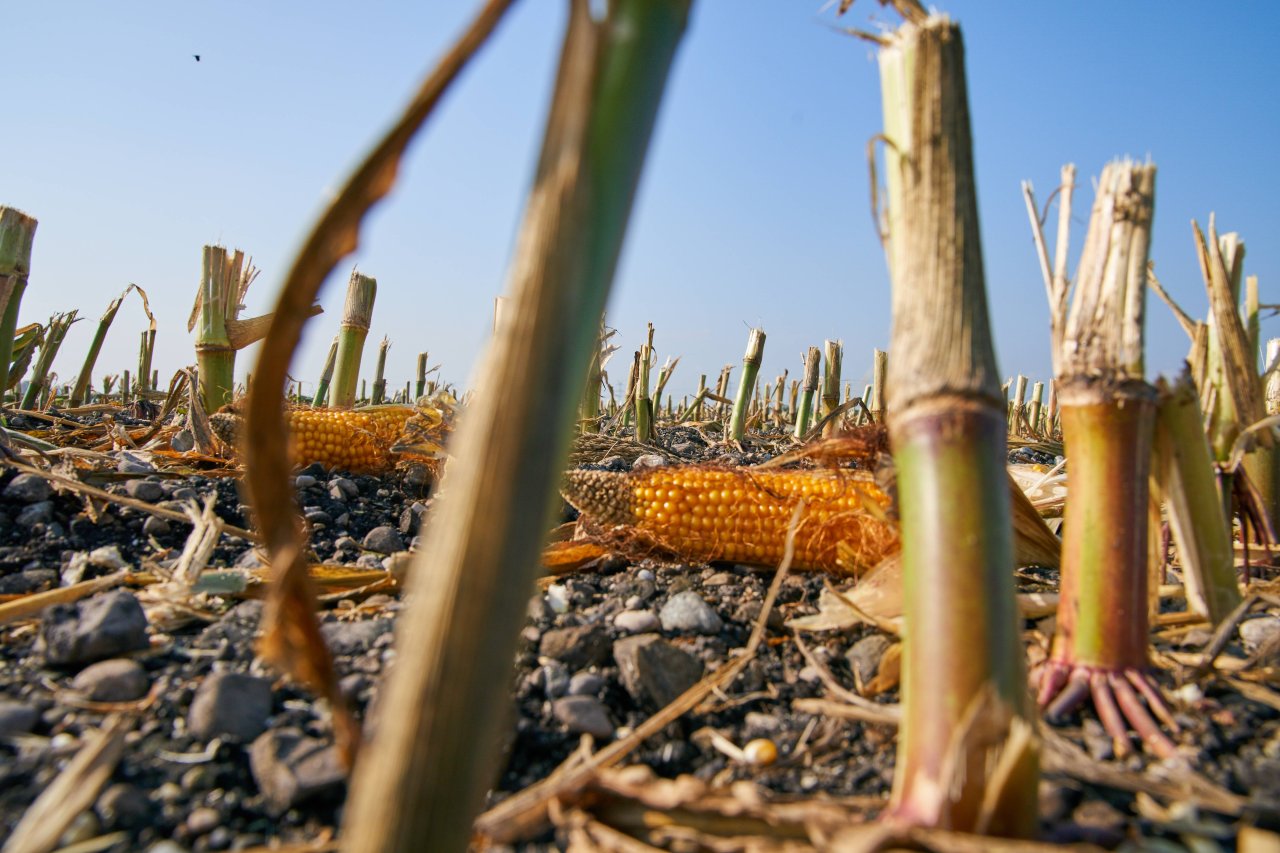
(941, 341)
(17, 235)
(1104, 333)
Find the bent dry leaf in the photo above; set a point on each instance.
(291, 631)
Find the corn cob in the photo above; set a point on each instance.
(740, 515)
(359, 440)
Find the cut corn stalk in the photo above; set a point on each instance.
(832, 353)
(643, 403)
(146, 348)
(879, 368)
(380, 374)
(706, 514)
(1108, 421)
(420, 387)
(1190, 489)
(321, 398)
(40, 379)
(418, 784)
(750, 369)
(95, 346)
(967, 756)
(357, 314)
(17, 234)
(812, 364)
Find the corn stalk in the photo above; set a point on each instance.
(967, 754)
(17, 234)
(357, 314)
(421, 780)
(40, 381)
(750, 369)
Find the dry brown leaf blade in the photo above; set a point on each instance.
(292, 633)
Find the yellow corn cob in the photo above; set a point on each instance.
(358, 440)
(741, 515)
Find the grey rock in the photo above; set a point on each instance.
(183, 441)
(648, 460)
(32, 580)
(636, 621)
(686, 612)
(185, 493)
(100, 627)
(40, 512)
(318, 516)
(115, 680)
(584, 715)
(353, 637)
(344, 487)
(17, 718)
(653, 671)
(412, 517)
(144, 490)
(304, 481)
(384, 540)
(166, 846)
(28, 488)
(230, 704)
(124, 806)
(585, 684)
(864, 656)
(1259, 631)
(553, 676)
(290, 767)
(134, 463)
(156, 526)
(369, 561)
(345, 543)
(645, 575)
(578, 647)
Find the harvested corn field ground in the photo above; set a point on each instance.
(222, 753)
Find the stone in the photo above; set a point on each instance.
(343, 488)
(114, 680)
(412, 517)
(317, 517)
(353, 637)
(32, 580)
(369, 561)
(144, 490)
(1257, 632)
(17, 718)
(304, 481)
(553, 676)
(203, 820)
(230, 704)
(648, 460)
(577, 647)
(28, 489)
(583, 715)
(290, 767)
(384, 540)
(864, 656)
(653, 671)
(124, 806)
(183, 441)
(40, 512)
(636, 622)
(686, 612)
(186, 493)
(156, 526)
(132, 462)
(585, 684)
(106, 625)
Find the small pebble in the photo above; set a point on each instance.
(203, 820)
(156, 526)
(647, 461)
(28, 488)
(688, 613)
(1259, 631)
(304, 481)
(144, 490)
(760, 752)
(384, 540)
(115, 680)
(230, 704)
(17, 718)
(636, 621)
(584, 715)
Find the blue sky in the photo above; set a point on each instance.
(754, 206)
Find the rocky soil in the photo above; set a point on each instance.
(221, 753)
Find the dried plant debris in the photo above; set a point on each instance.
(791, 749)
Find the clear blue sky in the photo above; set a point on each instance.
(753, 209)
